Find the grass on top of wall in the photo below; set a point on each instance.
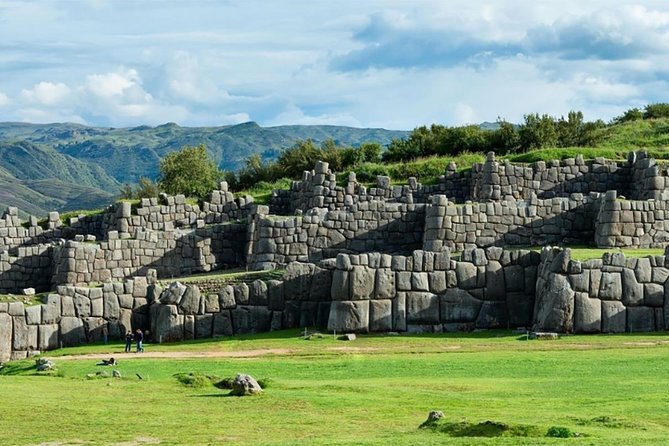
(376, 390)
(26, 300)
(230, 275)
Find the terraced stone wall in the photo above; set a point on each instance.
(535, 222)
(319, 234)
(431, 292)
(614, 294)
(75, 315)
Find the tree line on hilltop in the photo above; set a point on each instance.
(192, 172)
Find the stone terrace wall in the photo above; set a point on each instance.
(623, 223)
(171, 254)
(73, 316)
(531, 223)
(365, 226)
(300, 299)
(508, 181)
(609, 295)
(30, 268)
(430, 292)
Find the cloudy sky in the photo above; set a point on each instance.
(364, 63)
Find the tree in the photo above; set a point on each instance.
(370, 152)
(146, 188)
(126, 192)
(190, 171)
(538, 132)
(654, 111)
(633, 114)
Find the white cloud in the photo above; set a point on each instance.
(227, 62)
(47, 93)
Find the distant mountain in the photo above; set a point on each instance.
(72, 166)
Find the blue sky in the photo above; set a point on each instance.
(392, 64)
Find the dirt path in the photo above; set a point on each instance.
(181, 355)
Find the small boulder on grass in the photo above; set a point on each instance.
(44, 365)
(245, 385)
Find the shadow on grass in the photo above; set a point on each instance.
(20, 368)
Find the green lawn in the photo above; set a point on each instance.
(375, 390)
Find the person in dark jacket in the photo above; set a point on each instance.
(128, 341)
(139, 338)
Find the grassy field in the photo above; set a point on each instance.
(375, 390)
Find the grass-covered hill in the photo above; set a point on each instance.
(68, 166)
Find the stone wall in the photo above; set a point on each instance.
(431, 292)
(509, 181)
(300, 299)
(535, 222)
(171, 254)
(31, 267)
(74, 315)
(609, 295)
(376, 225)
(624, 223)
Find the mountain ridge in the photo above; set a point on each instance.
(101, 159)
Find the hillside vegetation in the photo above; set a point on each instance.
(62, 167)
(70, 166)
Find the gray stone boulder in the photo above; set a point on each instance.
(190, 300)
(459, 306)
(493, 315)
(587, 314)
(380, 315)
(614, 317)
(348, 316)
(640, 319)
(5, 337)
(172, 294)
(244, 385)
(167, 324)
(72, 331)
(632, 293)
(554, 305)
(422, 308)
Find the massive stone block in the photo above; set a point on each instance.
(380, 315)
(399, 312)
(190, 300)
(587, 314)
(72, 331)
(250, 319)
(349, 316)
(25, 336)
(51, 309)
(614, 317)
(640, 319)
(6, 331)
(459, 306)
(422, 308)
(166, 322)
(362, 282)
(632, 293)
(258, 293)
(520, 307)
(340, 289)
(203, 326)
(48, 337)
(554, 305)
(610, 287)
(222, 325)
(495, 285)
(493, 314)
(385, 284)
